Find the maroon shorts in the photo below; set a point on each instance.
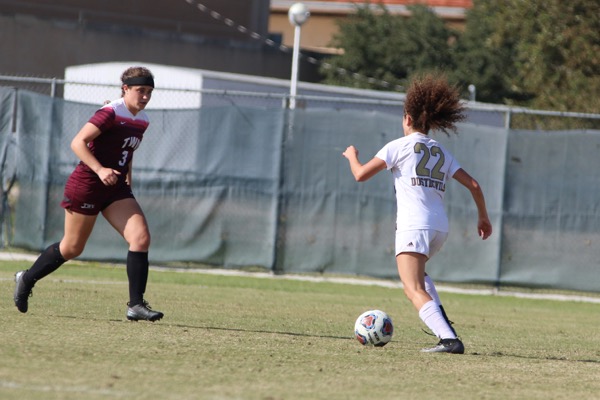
(90, 196)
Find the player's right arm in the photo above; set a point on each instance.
(363, 172)
(484, 226)
(79, 145)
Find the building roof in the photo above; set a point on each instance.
(448, 9)
(322, 26)
(431, 3)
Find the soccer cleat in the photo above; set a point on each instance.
(454, 346)
(22, 292)
(143, 312)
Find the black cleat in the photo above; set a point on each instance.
(143, 312)
(454, 346)
(22, 292)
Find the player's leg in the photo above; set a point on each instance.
(411, 267)
(432, 291)
(436, 242)
(78, 228)
(127, 217)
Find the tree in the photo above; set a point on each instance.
(486, 59)
(387, 49)
(422, 42)
(557, 57)
(536, 53)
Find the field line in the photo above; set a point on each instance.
(63, 389)
(11, 256)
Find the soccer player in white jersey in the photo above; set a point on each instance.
(101, 183)
(421, 168)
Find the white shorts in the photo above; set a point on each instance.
(422, 241)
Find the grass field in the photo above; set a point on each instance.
(232, 337)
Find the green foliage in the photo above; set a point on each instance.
(540, 53)
(387, 48)
(422, 42)
(557, 55)
(485, 60)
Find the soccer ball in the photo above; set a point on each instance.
(374, 327)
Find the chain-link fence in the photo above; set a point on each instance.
(234, 178)
(309, 97)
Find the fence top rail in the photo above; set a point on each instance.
(474, 105)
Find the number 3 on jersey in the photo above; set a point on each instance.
(426, 154)
(123, 160)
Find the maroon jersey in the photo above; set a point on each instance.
(122, 133)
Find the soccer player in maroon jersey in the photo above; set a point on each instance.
(101, 183)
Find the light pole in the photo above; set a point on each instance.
(298, 15)
(472, 91)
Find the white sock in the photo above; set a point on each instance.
(430, 289)
(431, 315)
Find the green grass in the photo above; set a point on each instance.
(230, 337)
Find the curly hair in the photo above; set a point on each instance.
(433, 104)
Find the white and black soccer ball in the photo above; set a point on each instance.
(374, 327)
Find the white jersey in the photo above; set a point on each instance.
(421, 168)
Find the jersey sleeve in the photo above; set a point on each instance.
(104, 118)
(386, 155)
(393, 153)
(453, 165)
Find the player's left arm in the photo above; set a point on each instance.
(484, 226)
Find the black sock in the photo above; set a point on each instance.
(137, 273)
(48, 262)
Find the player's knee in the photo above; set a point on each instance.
(70, 251)
(140, 241)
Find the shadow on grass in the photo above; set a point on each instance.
(296, 334)
(549, 358)
(216, 328)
